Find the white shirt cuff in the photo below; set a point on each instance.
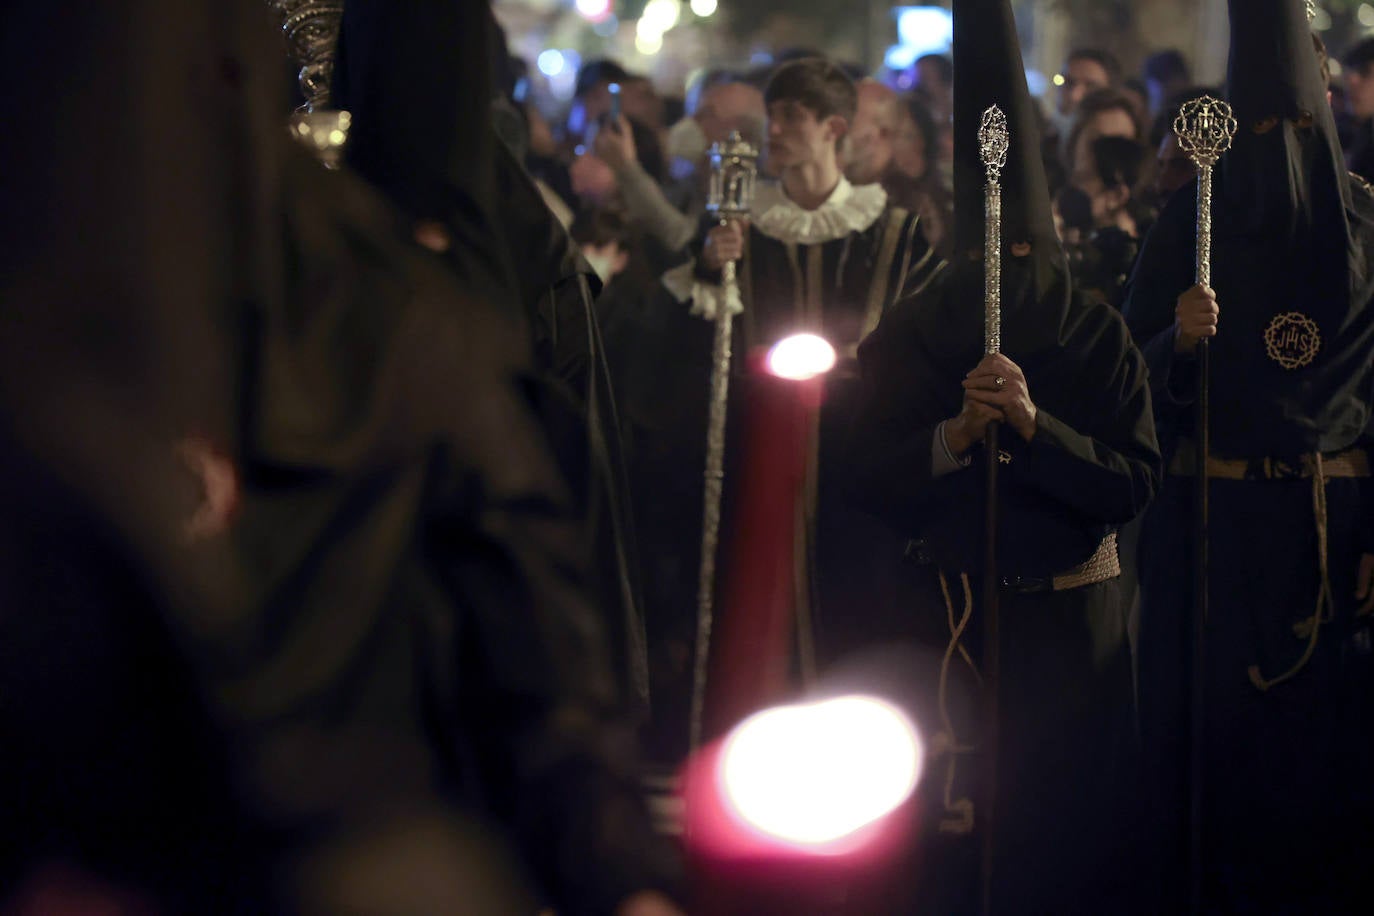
(944, 462)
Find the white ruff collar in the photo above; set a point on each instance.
(847, 209)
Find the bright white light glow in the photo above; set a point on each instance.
(595, 10)
(703, 8)
(659, 16)
(801, 357)
(1366, 15)
(816, 773)
(551, 62)
(926, 29)
(899, 57)
(649, 43)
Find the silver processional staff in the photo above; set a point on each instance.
(734, 169)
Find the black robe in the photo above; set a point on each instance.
(394, 620)
(1092, 467)
(1287, 816)
(417, 79)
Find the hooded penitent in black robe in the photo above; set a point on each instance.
(417, 80)
(1286, 785)
(378, 616)
(1092, 466)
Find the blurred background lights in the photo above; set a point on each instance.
(703, 8)
(607, 27)
(900, 57)
(921, 30)
(660, 15)
(928, 29)
(648, 43)
(551, 62)
(801, 357)
(817, 773)
(1366, 15)
(595, 10)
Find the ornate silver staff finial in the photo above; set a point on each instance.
(1205, 129)
(994, 140)
(734, 169)
(1311, 10)
(311, 28)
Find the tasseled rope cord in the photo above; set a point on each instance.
(959, 813)
(1325, 602)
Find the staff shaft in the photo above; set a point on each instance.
(992, 343)
(1202, 519)
(714, 490)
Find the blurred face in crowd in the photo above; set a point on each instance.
(909, 148)
(931, 78)
(1106, 201)
(798, 138)
(592, 179)
(1114, 122)
(872, 139)
(640, 102)
(1175, 168)
(1081, 76)
(597, 103)
(732, 106)
(1359, 88)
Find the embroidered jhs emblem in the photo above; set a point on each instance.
(1293, 340)
(1003, 456)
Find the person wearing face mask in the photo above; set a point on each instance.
(1108, 251)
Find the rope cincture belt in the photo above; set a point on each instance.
(1104, 565)
(1349, 464)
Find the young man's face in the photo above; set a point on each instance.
(1081, 76)
(796, 137)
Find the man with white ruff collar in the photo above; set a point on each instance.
(825, 257)
(1077, 459)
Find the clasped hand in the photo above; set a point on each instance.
(994, 392)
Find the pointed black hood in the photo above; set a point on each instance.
(988, 71)
(1291, 254)
(1285, 174)
(417, 78)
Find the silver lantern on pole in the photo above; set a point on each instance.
(734, 170)
(311, 28)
